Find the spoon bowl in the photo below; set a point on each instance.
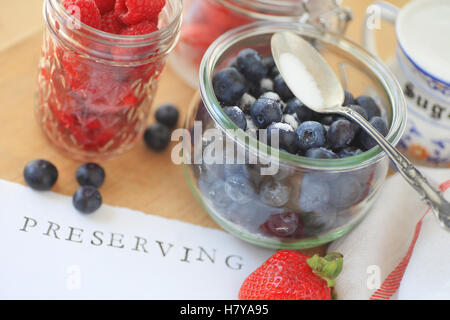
(313, 82)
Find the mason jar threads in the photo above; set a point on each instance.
(95, 89)
(205, 20)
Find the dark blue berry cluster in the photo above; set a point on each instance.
(157, 136)
(42, 175)
(253, 94)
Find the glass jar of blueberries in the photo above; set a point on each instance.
(322, 176)
(205, 20)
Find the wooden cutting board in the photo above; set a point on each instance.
(140, 179)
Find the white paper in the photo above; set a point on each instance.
(50, 251)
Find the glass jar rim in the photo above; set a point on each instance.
(384, 76)
(263, 9)
(105, 38)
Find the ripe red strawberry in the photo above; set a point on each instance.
(135, 11)
(84, 10)
(144, 27)
(105, 5)
(110, 23)
(292, 275)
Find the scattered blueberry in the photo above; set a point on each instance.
(282, 89)
(87, 199)
(367, 141)
(340, 134)
(251, 65)
(266, 111)
(168, 115)
(320, 153)
(90, 174)
(40, 175)
(157, 136)
(311, 135)
(369, 104)
(229, 86)
(237, 116)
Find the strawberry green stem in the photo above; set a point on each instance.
(328, 267)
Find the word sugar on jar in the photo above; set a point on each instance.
(205, 20)
(95, 89)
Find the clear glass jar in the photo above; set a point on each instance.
(95, 89)
(205, 20)
(307, 202)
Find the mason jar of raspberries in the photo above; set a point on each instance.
(205, 20)
(99, 70)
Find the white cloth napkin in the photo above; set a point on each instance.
(377, 246)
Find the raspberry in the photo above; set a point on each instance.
(111, 24)
(144, 27)
(105, 5)
(134, 11)
(85, 10)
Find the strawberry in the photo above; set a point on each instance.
(292, 275)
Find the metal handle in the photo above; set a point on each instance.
(429, 195)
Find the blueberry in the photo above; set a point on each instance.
(272, 95)
(90, 174)
(283, 225)
(314, 194)
(274, 193)
(378, 123)
(320, 153)
(311, 135)
(349, 100)
(251, 65)
(287, 137)
(282, 89)
(251, 130)
(229, 86)
(345, 191)
(327, 120)
(349, 152)
(266, 111)
(40, 175)
(239, 189)
(304, 113)
(340, 134)
(369, 104)
(87, 199)
(292, 105)
(157, 136)
(237, 116)
(168, 115)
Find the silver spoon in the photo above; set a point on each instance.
(293, 55)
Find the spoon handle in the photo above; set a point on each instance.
(429, 195)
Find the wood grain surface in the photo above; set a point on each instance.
(140, 179)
